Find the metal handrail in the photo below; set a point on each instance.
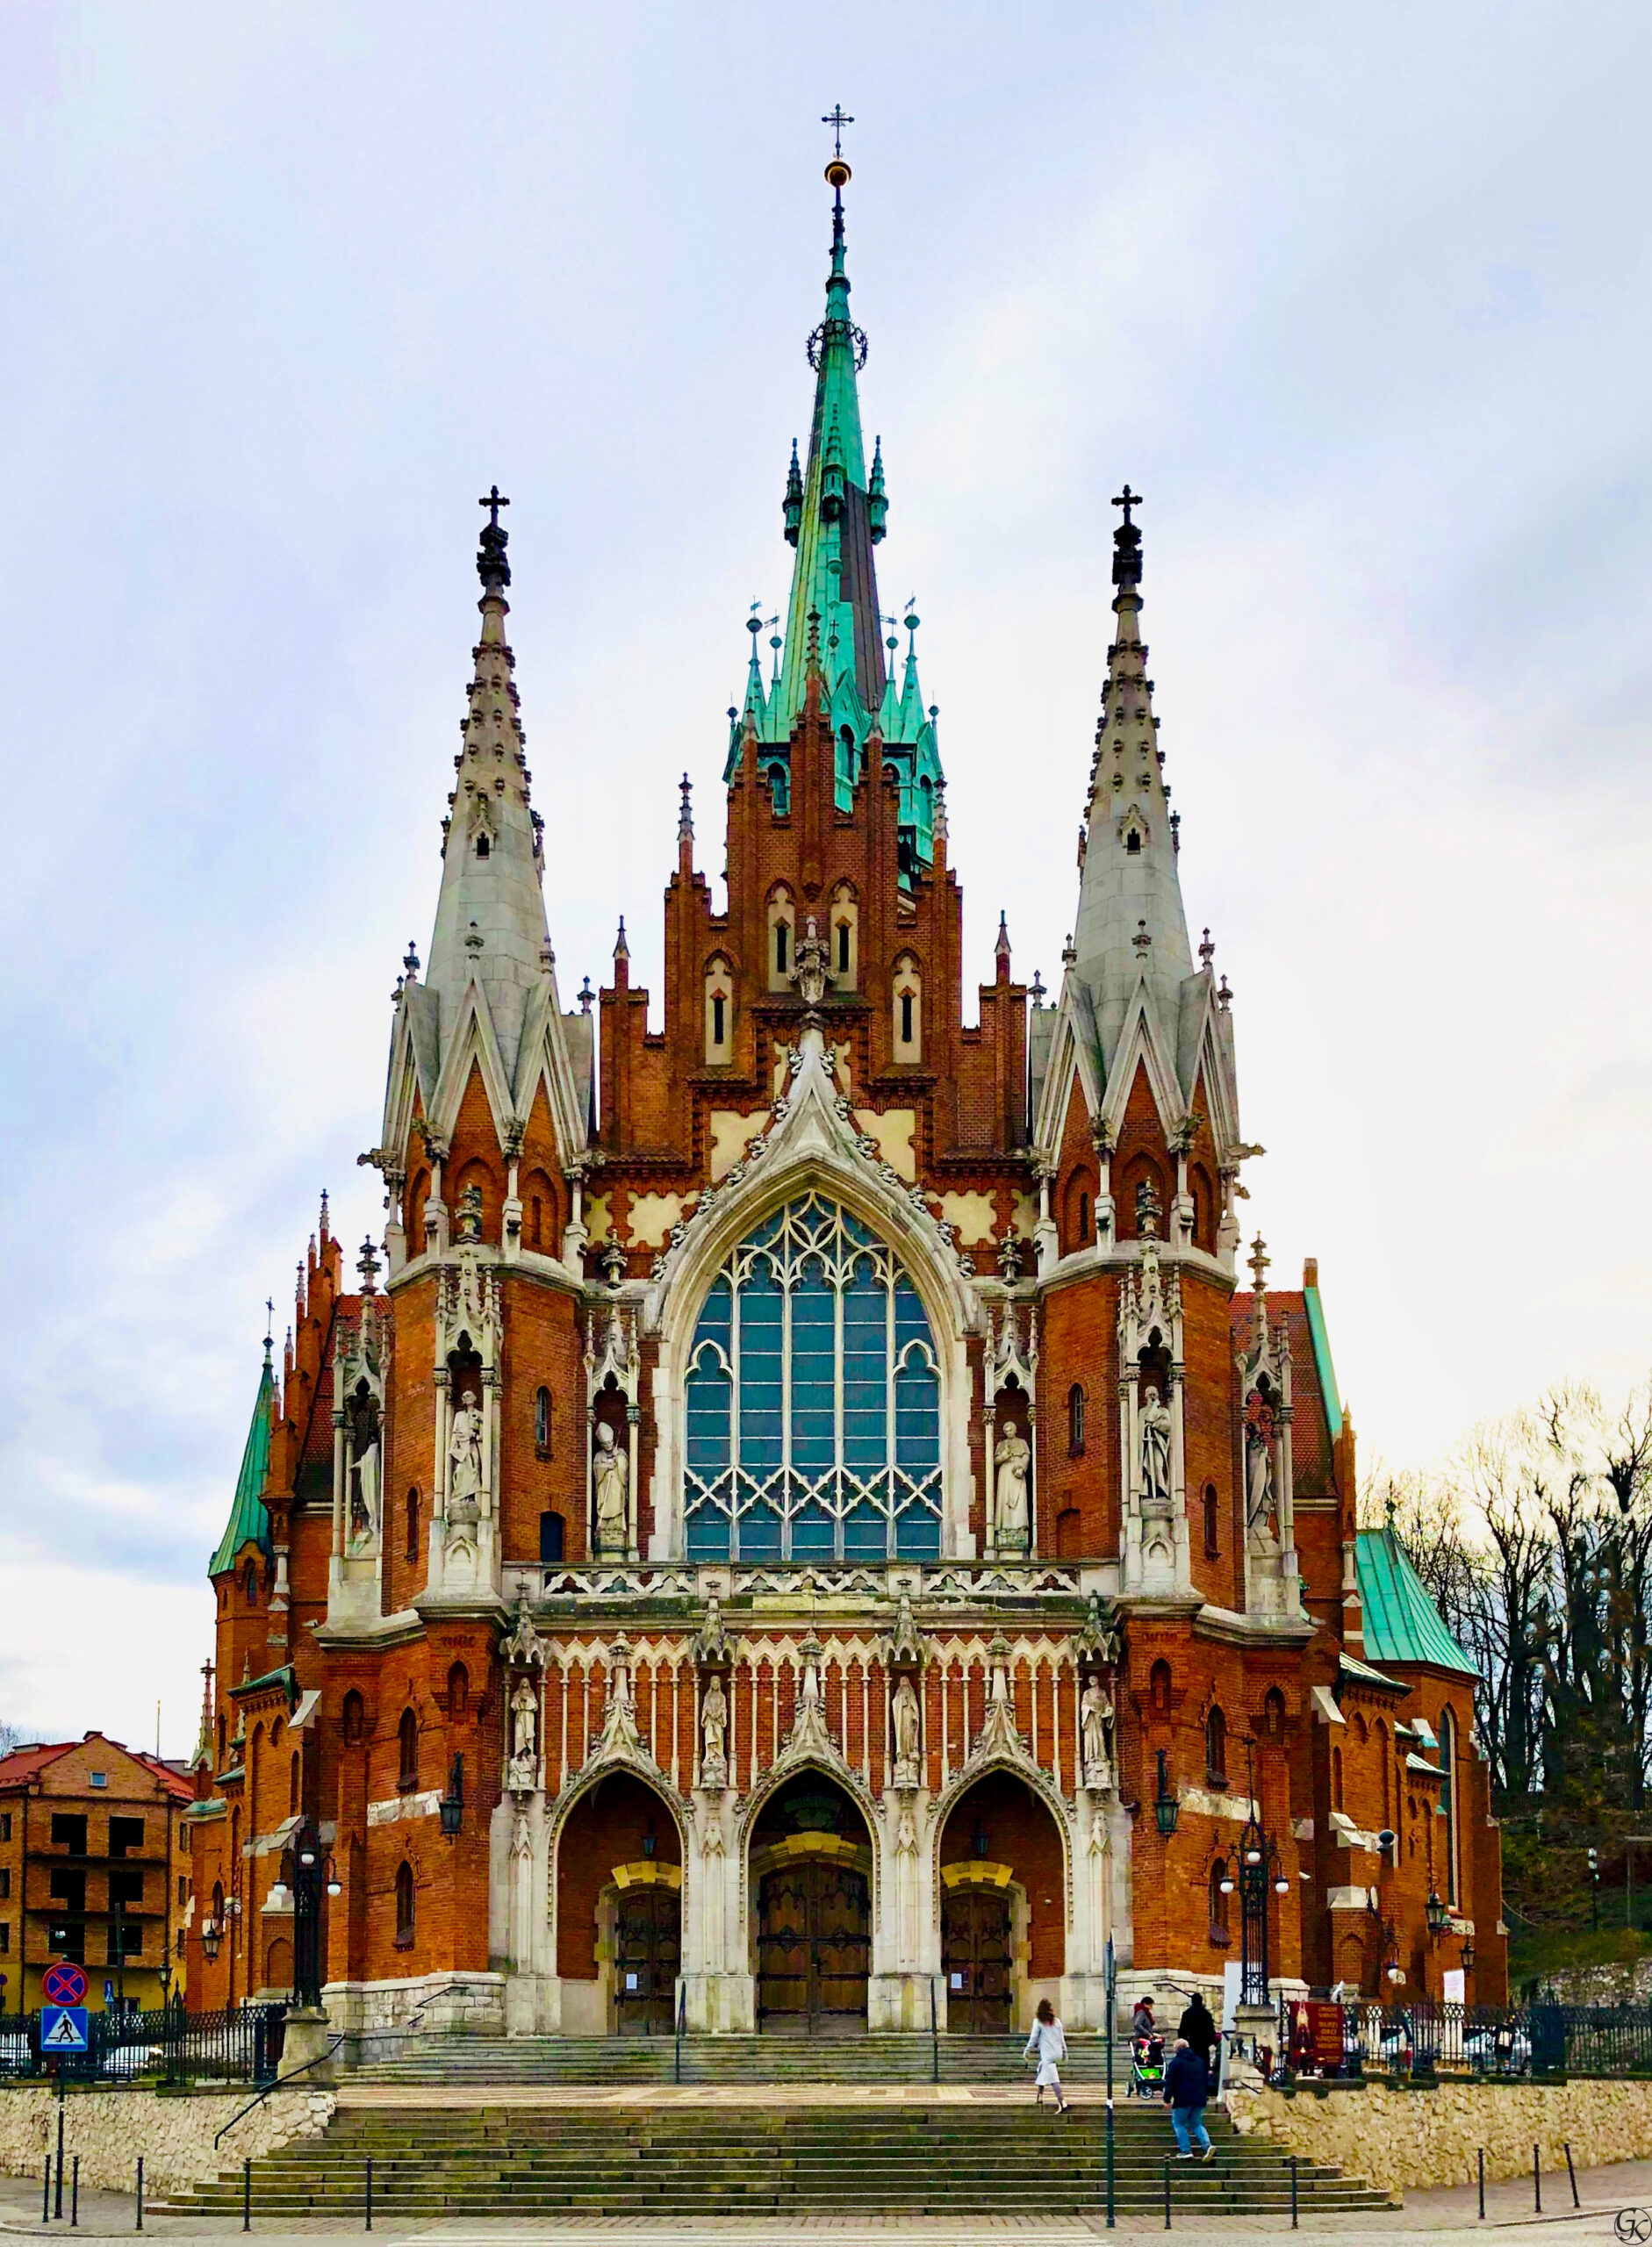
(279, 2083)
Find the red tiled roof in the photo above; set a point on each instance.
(27, 1763)
(1310, 1430)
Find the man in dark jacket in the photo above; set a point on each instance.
(1200, 2030)
(1187, 2090)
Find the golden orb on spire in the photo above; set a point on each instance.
(838, 174)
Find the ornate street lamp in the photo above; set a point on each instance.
(1436, 1914)
(452, 1803)
(211, 1936)
(1165, 1808)
(1468, 1954)
(1261, 1867)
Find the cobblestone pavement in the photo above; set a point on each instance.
(1448, 2217)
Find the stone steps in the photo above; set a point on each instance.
(761, 2161)
(618, 2060)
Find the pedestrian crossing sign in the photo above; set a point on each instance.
(64, 2029)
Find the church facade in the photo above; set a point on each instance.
(800, 1526)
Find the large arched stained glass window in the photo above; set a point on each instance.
(814, 1422)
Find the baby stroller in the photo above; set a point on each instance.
(1147, 2068)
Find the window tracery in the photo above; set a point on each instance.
(813, 1400)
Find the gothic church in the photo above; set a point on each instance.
(802, 1525)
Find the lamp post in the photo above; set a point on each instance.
(1436, 1912)
(1165, 1808)
(1594, 1890)
(452, 1804)
(1260, 1867)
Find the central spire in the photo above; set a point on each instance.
(834, 510)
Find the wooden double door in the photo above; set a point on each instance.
(648, 1955)
(814, 1949)
(976, 1958)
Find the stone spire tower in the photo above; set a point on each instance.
(476, 1038)
(1146, 1033)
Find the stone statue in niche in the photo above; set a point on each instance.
(1095, 1735)
(524, 1765)
(464, 1465)
(1260, 1512)
(713, 1731)
(610, 1474)
(907, 1723)
(1155, 1452)
(470, 1212)
(1014, 1460)
(363, 1476)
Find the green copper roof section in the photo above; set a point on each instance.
(1327, 1371)
(1402, 1623)
(835, 509)
(248, 1516)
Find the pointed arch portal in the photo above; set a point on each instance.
(811, 1875)
(812, 1423)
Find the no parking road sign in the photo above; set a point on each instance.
(63, 1983)
(64, 2029)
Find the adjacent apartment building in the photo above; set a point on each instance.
(94, 1867)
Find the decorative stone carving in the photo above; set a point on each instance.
(812, 970)
(470, 1213)
(1155, 1433)
(611, 1477)
(1155, 1557)
(522, 1774)
(1095, 1736)
(809, 1734)
(906, 1722)
(713, 1728)
(905, 1648)
(1013, 1460)
(998, 1735)
(1272, 1579)
(619, 1734)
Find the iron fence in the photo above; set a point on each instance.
(1424, 2038)
(240, 2045)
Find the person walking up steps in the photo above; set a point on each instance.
(1048, 2041)
(1187, 2091)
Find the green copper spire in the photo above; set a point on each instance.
(248, 1522)
(834, 513)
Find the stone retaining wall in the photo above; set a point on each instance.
(174, 2132)
(1405, 2140)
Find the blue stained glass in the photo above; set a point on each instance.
(820, 1461)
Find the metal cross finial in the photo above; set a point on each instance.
(270, 1320)
(1127, 500)
(493, 502)
(838, 120)
(1260, 1261)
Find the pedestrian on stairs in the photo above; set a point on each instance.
(1048, 2043)
(1187, 2092)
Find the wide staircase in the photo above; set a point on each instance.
(618, 2060)
(718, 2160)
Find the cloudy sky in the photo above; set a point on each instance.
(1359, 298)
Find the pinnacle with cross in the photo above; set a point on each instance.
(494, 501)
(1127, 500)
(837, 120)
(1260, 1261)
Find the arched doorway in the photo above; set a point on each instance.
(619, 1911)
(811, 1875)
(1003, 1907)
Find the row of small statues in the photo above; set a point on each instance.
(906, 1719)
